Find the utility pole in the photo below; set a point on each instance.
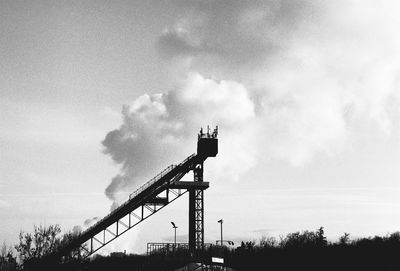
(175, 227)
(221, 221)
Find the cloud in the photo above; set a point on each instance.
(180, 238)
(263, 231)
(162, 128)
(76, 229)
(283, 80)
(239, 32)
(4, 204)
(91, 221)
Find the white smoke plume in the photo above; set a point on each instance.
(283, 79)
(90, 221)
(160, 129)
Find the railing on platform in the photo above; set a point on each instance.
(167, 248)
(153, 180)
(158, 177)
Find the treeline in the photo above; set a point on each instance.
(307, 250)
(33, 247)
(310, 250)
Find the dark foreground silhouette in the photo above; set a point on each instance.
(297, 251)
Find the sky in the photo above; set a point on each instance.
(97, 97)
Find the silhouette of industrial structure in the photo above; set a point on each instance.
(151, 197)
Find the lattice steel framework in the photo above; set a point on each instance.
(196, 212)
(151, 197)
(124, 224)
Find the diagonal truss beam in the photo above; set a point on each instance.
(91, 247)
(145, 198)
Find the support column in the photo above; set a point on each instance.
(196, 213)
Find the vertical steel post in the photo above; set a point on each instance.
(221, 221)
(196, 213)
(192, 237)
(175, 239)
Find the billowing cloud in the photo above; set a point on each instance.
(90, 221)
(4, 204)
(76, 229)
(282, 79)
(160, 129)
(234, 32)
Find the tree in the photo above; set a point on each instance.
(344, 239)
(69, 237)
(297, 240)
(320, 237)
(7, 259)
(304, 239)
(3, 251)
(269, 242)
(44, 240)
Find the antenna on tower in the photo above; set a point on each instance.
(207, 144)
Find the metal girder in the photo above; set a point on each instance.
(191, 185)
(90, 247)
(196, 211)
(158, 201)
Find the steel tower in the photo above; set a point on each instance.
(147, 200)
(207, 146)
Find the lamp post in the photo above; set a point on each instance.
(221, 221)
(175, 227)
